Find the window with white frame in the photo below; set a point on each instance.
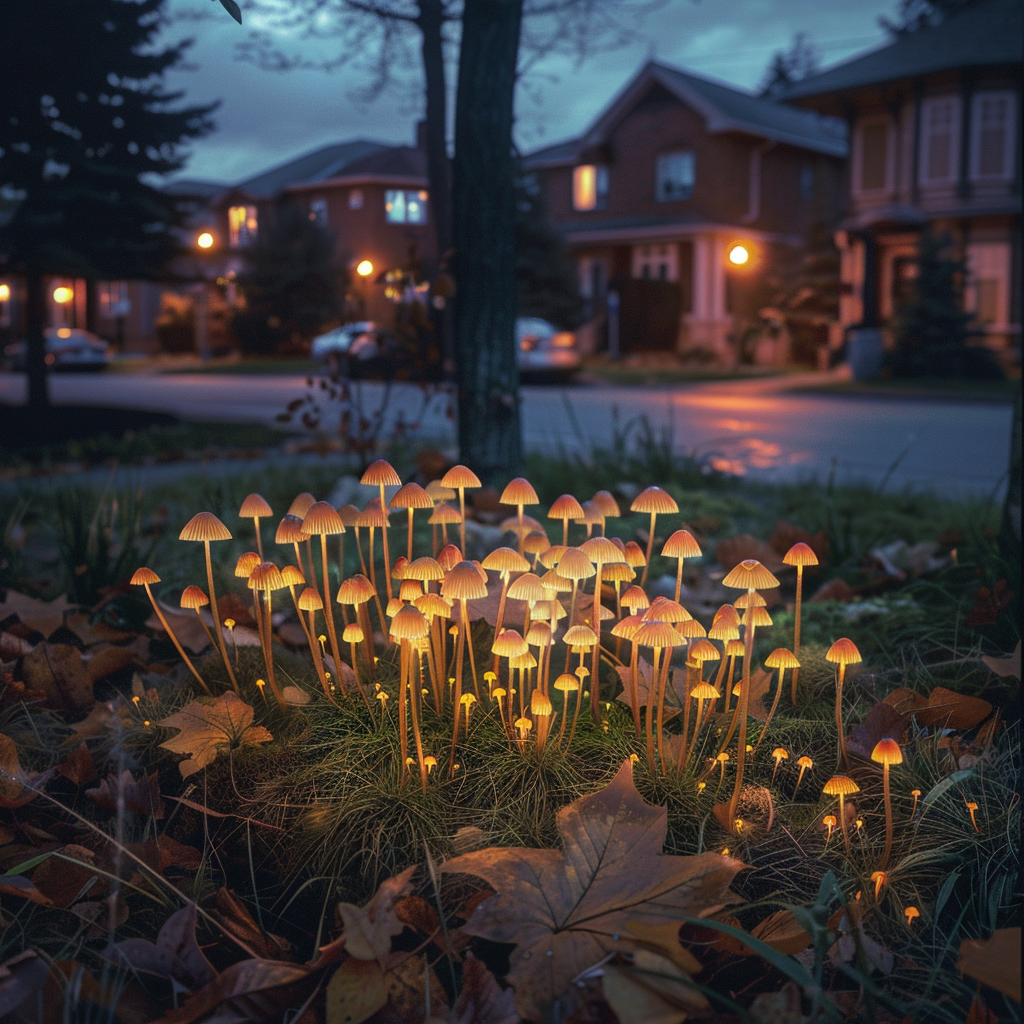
(940, 140)
(656, 262)
(589, 187)
(114, 300)
(242, 226)
(873, 159)
(676, 176)
(988, 282)
(318, 212)
(992, 121)
(402, 206)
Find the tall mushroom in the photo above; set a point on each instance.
(311, 602)
(265, 579)
(410, 497)
(519, 492)
(382, 474)
(256, 507)
(780, 658)
(565, 507)
(842, 786)
(504, 561)
(460, 478)
(654, 502)
(601, 551)
(194, 597)
(289, 531)
(800, 555)
(407, 625)
(206, 527)
(659, 636)
(322, 520)
(842, 653)
(887, 751)
(145, 577)
(680, 546)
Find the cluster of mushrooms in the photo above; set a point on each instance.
(528, 684)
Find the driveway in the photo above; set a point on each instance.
(758, 428)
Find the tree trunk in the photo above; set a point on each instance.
(1009, 534)
(38, 398)
(484, 238)
(431, 23)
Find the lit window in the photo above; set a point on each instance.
(675, 177)
(873, 157)
(405, 207)
(992, 145)
(355, 199)
(940, 132)
(242, 225)
(114, 301)
(318, 212)
(589, 187)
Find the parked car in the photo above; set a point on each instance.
(362, 349)
(67, 348)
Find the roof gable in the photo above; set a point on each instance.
(321, 164)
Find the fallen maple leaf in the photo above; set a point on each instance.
(79, 767)
(994, 962)
(369, 929)
(59, 672)
(950, 710)
(234, 917)
(881, 722)
(565, 910)
(1005, 667)
(206, 727)
(17, 786)
(41, 616)
(175, 954)
(675, 692)
(481, 999)
(652, 990)
(141, 796)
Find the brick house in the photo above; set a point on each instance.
(934, 124)
(655, 197)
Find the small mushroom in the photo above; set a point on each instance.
(879, 878)
(804, 764)
(887, 751)
(829, 821)
(780, 754)
(911, 914)
(971, 808)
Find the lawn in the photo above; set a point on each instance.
(374, 817)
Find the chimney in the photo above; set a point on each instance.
(421, 135)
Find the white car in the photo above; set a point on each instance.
(67, 348)
(543, 350)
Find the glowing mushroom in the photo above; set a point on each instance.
(887, 751)
(829, 821)
(779, 754)
(781, 659)
(911, 914)
(321, 520)
(800, 555)
(381, 474)
(680, 546)
(842, 786)
(971, 808)
(565, 507)
(519, 492)
(410, 497)
(804, 763)
(460, 478)
(194, 597)
(654, 502)
(879, 878)
(256, 507)
(842, 653)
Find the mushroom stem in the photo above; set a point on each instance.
(314, 649)
(595, 677)
(462, 524)
(259, 539)
(268, 654)
(842, 824)
(414, 707)
(329, 609)
(403, 696)
(174, 639)
(840, 675)
(888, 817)
(387, 553)
(217, 626)
(742, 708)
(796, 630)
(650, 548)
(771, 713)
(634, 686)
(460, 646)
(656, 656)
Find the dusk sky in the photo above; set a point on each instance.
(268, 117)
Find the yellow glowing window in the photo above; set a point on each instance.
(589, 187)
(242, 226)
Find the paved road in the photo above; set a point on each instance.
(759, 428)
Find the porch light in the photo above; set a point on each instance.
(63, 295)
(205, 240)
(739, 255)
(5, 292)
(364, 268)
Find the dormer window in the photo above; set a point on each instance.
(676, 175)
(242, 226)
(589, 187)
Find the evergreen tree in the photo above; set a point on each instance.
(931, 331)
(85, 126)
(290, 284)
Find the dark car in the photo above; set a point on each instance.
(67, 348)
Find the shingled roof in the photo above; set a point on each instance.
(983, 34)
(723, 107)
(319, 165)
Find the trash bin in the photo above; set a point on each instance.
(864, 352)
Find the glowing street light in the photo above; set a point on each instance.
(205, 240)
(739, 255)
(5, 292)
(364, 268)
(63, 295)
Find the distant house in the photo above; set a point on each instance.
(656, 196)
(934, 120)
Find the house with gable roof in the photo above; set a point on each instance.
(934, 120)
(679, 198)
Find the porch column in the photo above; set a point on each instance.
(709, 323)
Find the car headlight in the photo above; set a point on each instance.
(564, 339)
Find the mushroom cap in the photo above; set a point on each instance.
(409, 590)
(566, 683)
(634, 598)
(466, 699)
(142, 576)
(430, 761)
(575, 565)
(409, 622)
(526, 660)
(462, 583)
(536, 542)
(292, 576)
(511, 524)
(910, 913)
(508, 644)
(289, 530)
(310, 600)
(667, 610)
(349, 515)
(444, 515)
(204, 526)
(682, 544)
(805, 762)
(434, 606)
(374, 515)
(505, 560)
(540, 704)
(398, 567)
(552, 581)
(840, 785)
(424, 569)
(782, 657)
(565, 507)
(380, 473)
(749, 599)
(194, 597)
(519, 492)
(355, 590)
(618, 572)
(440, 493)
(524, 725)
(607, 504)
(591, 514)
(322, 519)
(552, 555)
(627, 627)
(756, 617)
(527, 588)
(829, 821)
(551, 610)
(460, 477)
(411, 495)
(654, 499)
(750, 574)
(723, 756)
(539, 633)
(887, 751)
(735, 649)
(601, 549)
(704, 650)
(800, 554)
(657, 634)
(724, 630)
(780, 753)
(634, 554)
(843, 652)
(394, 605)
(255, 506)
(301, 504)
(726, 613)
(580, 636)
(266, 577)
(705, 691)
(449, 556)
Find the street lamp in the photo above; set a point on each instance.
(63, 295)
(205, 240)
(204, 243)
(364, 268)
(739, 255)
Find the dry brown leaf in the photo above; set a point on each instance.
(950, 710)
(234, 915)
(651, 990)
(295, 695)
(881, 722)
(1006, 667)
(140, 796)
(835, 590)
(41, 616)
(566, 909)
(78, 767)
(19, 885)
(664, 939)
(481, 999)
(994, 962)
(406, 977)
(207, 727)
(91, 631)
(369, 929)
(105, 661)
(175, 954)
(782, 1007)
(17, 786)
(356, 991)
(101, 720)
(905, 700)
(59, 672)
(63, 882)
(675, 691)
(782, 932)
(21, 978)
(760, 684)
(13, 647)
